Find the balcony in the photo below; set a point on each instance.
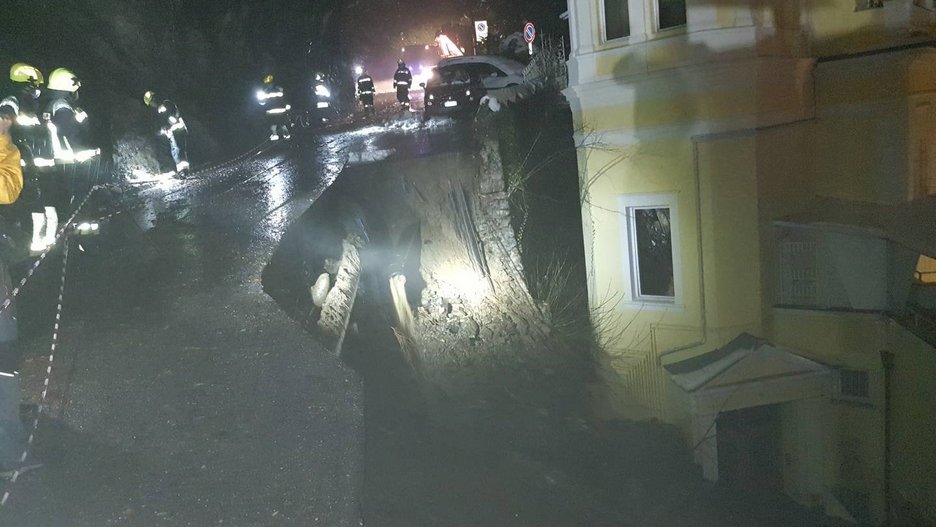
(861, 257)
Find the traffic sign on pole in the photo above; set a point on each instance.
(529, 32)
(481, 30)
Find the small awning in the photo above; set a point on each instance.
(912, 224)
(748, 371)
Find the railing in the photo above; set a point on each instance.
(919, 321)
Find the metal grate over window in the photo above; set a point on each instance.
(798, 273)
(853, 386)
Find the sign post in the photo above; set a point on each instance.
(529, 34)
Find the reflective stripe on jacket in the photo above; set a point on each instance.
(402, 76)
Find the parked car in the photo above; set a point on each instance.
(495, 72)
(451, 90)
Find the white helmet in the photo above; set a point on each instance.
(63, 79)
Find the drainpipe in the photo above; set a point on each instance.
(887, 360)
(703, 321)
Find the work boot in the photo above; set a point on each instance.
(38, 222)
(51, 226)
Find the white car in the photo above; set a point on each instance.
(495, 72)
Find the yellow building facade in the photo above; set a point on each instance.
(757, 184)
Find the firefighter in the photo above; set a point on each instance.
(33, 143)
(402, 80)
(271, 97)
(66, 122)
(365, 88)
(172, 127)
(321, 96)
(23, 100)
(23, 103)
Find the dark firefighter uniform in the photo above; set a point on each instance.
(172, 127)
(23, 100)
(366, 90)
(65, 121)
(276, 110)
(402, 80)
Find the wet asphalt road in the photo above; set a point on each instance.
(181, 394)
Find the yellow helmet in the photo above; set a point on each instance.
(22, 72)
(63, 79)
(268, 79)
(148, 98)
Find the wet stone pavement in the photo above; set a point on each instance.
(181, 394)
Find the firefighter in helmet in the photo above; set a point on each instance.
(172, 127)
(321, 98)
(65, 120)
(366, 90)
(402, 80)
(23, 100)
(32, 139)
(272, 99)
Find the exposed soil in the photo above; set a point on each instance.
(477, 415)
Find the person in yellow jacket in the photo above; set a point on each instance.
(11, 180)
(11, 171)
(12, 434)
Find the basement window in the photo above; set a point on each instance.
(852, 386)
(671, 13)
(863, 5)
(652, 247)
(616, 19)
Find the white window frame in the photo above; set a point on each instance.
(656, 20)
(627, 203)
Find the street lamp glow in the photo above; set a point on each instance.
(358, 70)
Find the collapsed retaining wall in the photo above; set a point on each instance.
(439, 258)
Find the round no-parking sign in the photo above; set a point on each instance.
(529, 32)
